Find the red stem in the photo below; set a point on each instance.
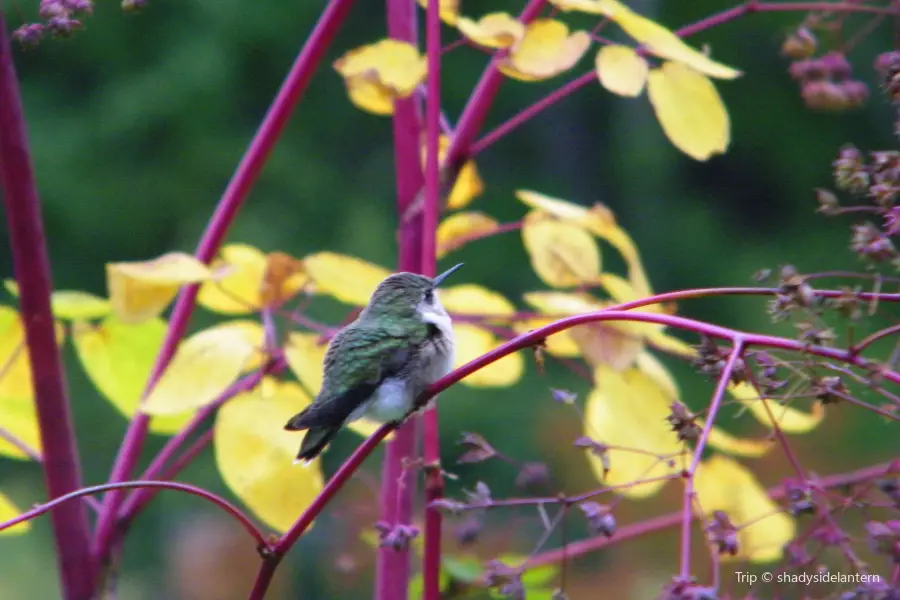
(482, 97)
(392, 567)
(62, 466)
(675, 518)
(238, 188)
(714, 405)
(431, 439)
(61, 502)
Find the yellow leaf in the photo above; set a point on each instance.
(621, 70)
(612, 342)
(8, 511)
(562, 303)
(494, 30)
(723, 484)
(718, 439)
(70, 304)
(546, 50)
(558, 304)
(559, 344)
(662, 42)
(622, 291)
(255, 454)
(592, 7)
(472, 342)
(600, 221)
(607, 343)
(18, 416)
(725, 442)
(672, 345)
(628, 409)
(457, 229)
(377, 74)
(562, 254)
(448, 9)
(468, 185)
(283, 278)
(141, 290)
(367, 93)
(305, 357)
(471, 299)
(15, 368)
(690, 110)
(347, 278)
(790, 420)
(203, 367)
(238, 293)
(118, 358)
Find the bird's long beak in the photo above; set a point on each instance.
(440, 278)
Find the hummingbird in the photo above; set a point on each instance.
(376, 366)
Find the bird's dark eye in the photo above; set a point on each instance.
(429, 296)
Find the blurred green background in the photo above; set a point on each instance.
(137, 122)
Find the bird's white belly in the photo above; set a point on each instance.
(390, 402)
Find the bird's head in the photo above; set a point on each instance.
(407, 296)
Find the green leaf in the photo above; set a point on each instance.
(463, 568)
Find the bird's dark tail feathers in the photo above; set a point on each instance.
(315, 440)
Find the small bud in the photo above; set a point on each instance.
(79, 6)
(762, 275)
(477, 449)
(599, 517)
(888, 63)
(808, 71)
(850, 172)
(828, 389)
(800, 498)
(505, 579)
(824, 95)
(800, 44)
(892, 221)
(836, 66)
(63, 27)
(683, 422)
(869, 242)
(397, 537)
(828, 202)
(884, 538)
(848, 304)
(562, 396)
(856, 93)
(533, 475)
(891, 488)
(29, 35)
(468, 530)
(599, 450)
(815, 335)
(722, 533)
(52, 8)
(481, 496)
